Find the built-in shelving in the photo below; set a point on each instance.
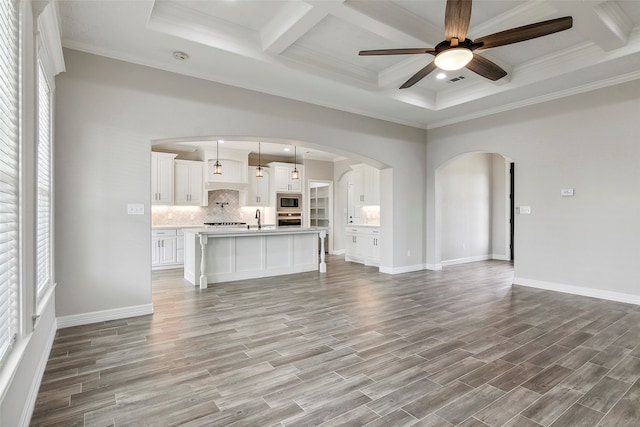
(319, 206)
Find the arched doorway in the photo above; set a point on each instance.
(474, 213)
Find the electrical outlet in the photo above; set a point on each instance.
(566, 192)
(135, 209)
(193, 216)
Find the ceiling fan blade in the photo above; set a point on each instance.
(486, 68)
(526, 32)
(409, 51)
(419, 75)
(456, 19)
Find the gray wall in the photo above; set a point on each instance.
(466, 207)
(317, 170)
(589, 142)
(500, 206)
(473, 198)
(109, 111)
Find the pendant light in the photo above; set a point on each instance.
(259, 169)
(217, 167)
(295, 175)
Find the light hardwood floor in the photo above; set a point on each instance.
(352, 347)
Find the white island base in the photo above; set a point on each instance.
(214, 256)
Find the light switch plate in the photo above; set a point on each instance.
(566, 192)
(135, 209)
(523, 210)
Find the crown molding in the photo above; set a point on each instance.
(49, 43)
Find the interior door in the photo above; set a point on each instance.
(512, 171)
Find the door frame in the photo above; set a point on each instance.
(329, 246)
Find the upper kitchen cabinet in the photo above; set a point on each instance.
(232, 171)
(189, 183)
(258, 188)
(234, 166)
(162, 178)
(282, 178)
(366, 185)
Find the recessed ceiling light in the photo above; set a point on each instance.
(287, 149)
(441, 76)
(180, 56)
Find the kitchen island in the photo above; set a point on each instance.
(214, 255)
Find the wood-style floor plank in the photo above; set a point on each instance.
(354, 347)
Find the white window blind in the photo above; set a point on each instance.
(43, 213)
(9, 170)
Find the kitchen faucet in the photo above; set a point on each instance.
(258, 218)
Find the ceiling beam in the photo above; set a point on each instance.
(377, 25)
(400, 19)
(183, 22)
(604, 22)
(295, 21)
(619, 25)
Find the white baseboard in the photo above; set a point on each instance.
(433, 267)
(338, 252)
(400, 270)
(30, 403)
(578, 290)
(476, 259)
(456, 261)
(104, 315)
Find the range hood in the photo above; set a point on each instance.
(216, 185)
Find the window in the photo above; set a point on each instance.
(9, 170)
(43, 210)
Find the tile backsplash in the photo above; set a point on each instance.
(224, 206)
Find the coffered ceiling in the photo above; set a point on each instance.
(308, 50)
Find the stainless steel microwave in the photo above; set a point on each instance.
(289, 202)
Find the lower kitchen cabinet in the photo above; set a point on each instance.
(363, 245)
(165, 249)
(180, 247)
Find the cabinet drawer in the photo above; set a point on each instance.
(160, 233)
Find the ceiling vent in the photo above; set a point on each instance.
(455, 79)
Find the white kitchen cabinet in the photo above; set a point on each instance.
(180, 246)
(162, 178)
(362, 245)
(232, 171)
(164, 249)
(258, 188)
(282, 178)
(366, 185)
(189, 183)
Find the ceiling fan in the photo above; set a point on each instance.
(457, 51)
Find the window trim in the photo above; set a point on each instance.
(14, 145)
(42, 289)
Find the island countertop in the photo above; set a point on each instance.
(228, 232)
(214, 255)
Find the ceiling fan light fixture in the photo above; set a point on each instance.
(453, 59)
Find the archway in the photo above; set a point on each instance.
(473, 213)
(201, 148)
